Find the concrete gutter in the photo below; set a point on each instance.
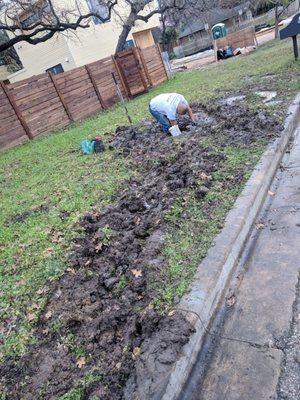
(216, 270)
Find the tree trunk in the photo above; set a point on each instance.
(163, 34)
(276, 22)
(123, 37)
(126, 28)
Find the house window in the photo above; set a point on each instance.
(38, 15)
(30, 20)
(57, 69)
(101, 9)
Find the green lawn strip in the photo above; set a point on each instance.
(50, 172)
(193, 226)
(34, 251)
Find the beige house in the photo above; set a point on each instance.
(3, 72)
(66, 51)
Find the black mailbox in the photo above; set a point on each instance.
(292, 30)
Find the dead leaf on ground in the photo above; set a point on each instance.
(81, 362)
(204, 176)
(30, 317)
(41, 291)
(118, 365)
(136, 352)
(57, 237)
(172, 312)
(259, 226)
(98, 247)
(48, 314)
(149, 307)
(230, 301)
(71, 270)
(14, 267)
(48, 252)
(21, 282)
(137, 273)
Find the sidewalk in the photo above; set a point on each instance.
(262, 322)
(265, 36)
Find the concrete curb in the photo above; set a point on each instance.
(215, 271)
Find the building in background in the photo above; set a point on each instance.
(64, 52)
(195, 36)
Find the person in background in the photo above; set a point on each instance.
(165, 108)
(221, 54)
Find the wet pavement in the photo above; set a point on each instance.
(256, 353)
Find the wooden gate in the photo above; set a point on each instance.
(132, 72)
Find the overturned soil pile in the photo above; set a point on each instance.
(101, 334)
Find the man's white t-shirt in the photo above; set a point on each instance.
(167, 104)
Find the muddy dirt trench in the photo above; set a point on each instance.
(101, 332)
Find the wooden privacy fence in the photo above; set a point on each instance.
(48, 102)
(243, 38)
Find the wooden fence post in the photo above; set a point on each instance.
(121, 77)
(215, 50)
(163, 63)
(60, 95)
(145, 66)
(16, 110)
(92, 79)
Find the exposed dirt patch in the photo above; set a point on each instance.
(101, 321)
(43, 208)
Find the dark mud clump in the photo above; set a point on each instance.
(101, 332)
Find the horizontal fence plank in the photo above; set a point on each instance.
(43, 113)
(12, 141)
(8, 119)
(39, 125)
(69, 83)
(40, 100)
(27, 81)
(6, 110)
(35, 96)
(3, 99)
(13, 127)
(36, 91)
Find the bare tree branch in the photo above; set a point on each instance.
(35, 22)
(144, 10)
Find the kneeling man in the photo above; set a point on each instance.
(165, 108)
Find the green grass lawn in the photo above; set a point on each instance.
(46, 185)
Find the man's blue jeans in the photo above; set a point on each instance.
(162, 119)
